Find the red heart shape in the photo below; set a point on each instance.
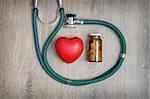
(69, 49)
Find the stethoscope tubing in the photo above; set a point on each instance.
(42, 56)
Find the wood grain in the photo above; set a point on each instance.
(22, 77)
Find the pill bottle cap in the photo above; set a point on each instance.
(95, 34)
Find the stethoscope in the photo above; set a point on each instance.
(72, 22)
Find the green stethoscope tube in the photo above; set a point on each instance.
(43, 56)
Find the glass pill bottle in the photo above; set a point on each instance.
(95, 48)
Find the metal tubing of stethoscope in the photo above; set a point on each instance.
(35, 3)
(60, 5)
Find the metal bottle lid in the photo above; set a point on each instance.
(95, 34)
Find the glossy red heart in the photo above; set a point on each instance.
(69, 49)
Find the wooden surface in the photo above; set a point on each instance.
(21, 76)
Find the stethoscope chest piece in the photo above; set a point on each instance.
(72, 21)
